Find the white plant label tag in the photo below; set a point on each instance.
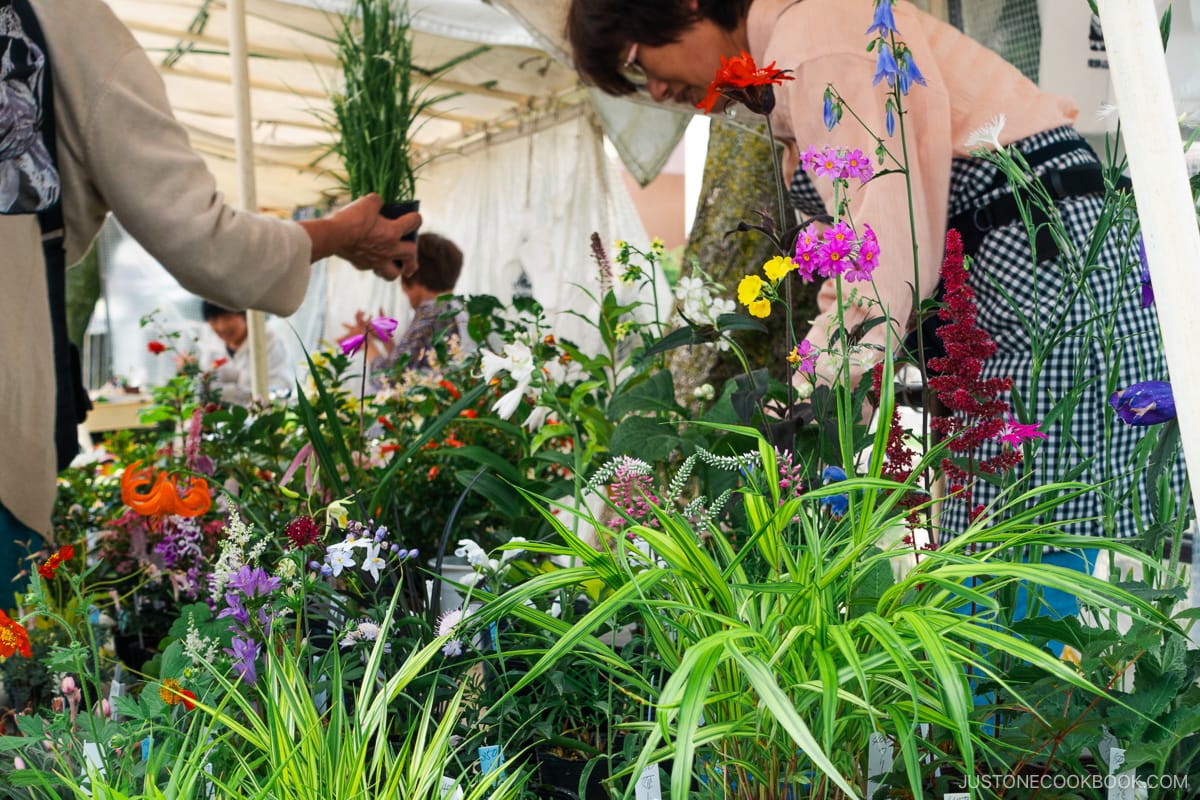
(450, 787)
(881, 754)
(957, 796)
(1121, 783)
(648, 787)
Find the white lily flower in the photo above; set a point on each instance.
(536, 418)
(473, 553)
(507, 404)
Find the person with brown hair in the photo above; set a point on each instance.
(439, 265)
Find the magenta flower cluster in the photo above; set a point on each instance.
(838, 250)
(837, 163)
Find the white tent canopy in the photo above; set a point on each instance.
(520, 80)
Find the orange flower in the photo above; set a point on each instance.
(51, 565)
(164, 497)
(433, 473)
(740, 80)
(469, 413)
(156, 347)
(449, 387)
(13, 638)
(173, 694)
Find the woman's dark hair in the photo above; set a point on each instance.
(212, 311)
(601, 31)
(439, 263)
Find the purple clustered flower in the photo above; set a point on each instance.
(180, 543)
(244, 651)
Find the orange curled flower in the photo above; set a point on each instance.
(48, 568)
(449, 387)
(173, 694)
(13, 638)
(740, 80)
(164, 498)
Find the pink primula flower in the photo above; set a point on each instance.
(1017, 433)
(858, 166)
(867, 258)
(830, 164)
(807, 244)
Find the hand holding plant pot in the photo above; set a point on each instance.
(363, 234)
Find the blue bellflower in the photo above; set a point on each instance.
(829, 112)
(884, 23)
(886, 66)
(909, 74)
(1145, 403)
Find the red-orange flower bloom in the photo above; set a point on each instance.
(13, 638)
(449, 387)
(740, 80)
(165, 497)
(50, 566)
(156, 347)
(172, 694)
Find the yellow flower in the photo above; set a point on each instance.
(793, 357)
(749, 289)
(760, 308)
(656, 244)
(778, 266)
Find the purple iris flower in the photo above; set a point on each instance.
(883, 22)
(1145, 403)
(1147, 287)
(244, 652)
(253, 582)
(235, 609)
(886, 66)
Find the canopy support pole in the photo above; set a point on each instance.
(1150, 128)
(239, 69)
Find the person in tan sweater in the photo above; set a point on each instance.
(120, 149)
(672, 49)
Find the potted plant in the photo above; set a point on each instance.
(375, 114)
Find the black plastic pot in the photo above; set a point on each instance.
(397, 210)
(559, 778)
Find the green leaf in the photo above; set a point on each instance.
(654, 394)
(647, 439)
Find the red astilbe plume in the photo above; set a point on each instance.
(977, 412)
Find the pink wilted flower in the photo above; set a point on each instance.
(383, 327)
(1017, 433)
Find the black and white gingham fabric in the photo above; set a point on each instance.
(1013, 291)
(804, 196)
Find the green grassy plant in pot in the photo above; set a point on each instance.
(382, 97)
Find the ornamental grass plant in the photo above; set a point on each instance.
(377, 109)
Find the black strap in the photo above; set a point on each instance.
(71, 399)
(1060, 184)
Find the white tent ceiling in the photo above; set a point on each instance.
(519, 83)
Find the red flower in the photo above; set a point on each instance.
(469, 413)
(48, 568)
(433, 473)
(740, 80)
(13, 638)
(173, 694)
(220, 362)
(156, 347)
(302, 531)
(449, 387)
